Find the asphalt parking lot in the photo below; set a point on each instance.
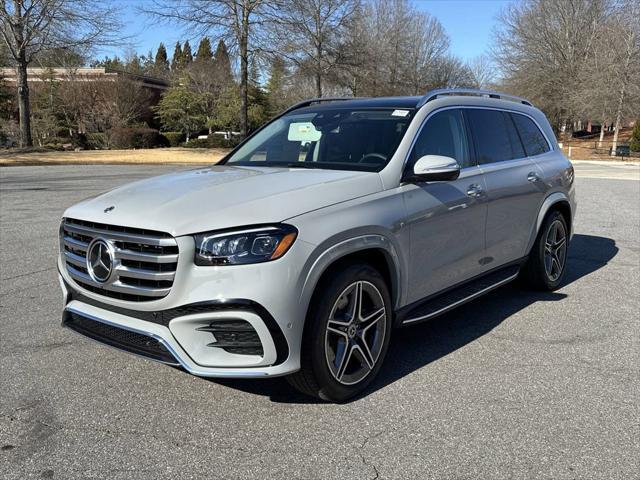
(514, 385)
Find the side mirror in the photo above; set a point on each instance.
(433, 168)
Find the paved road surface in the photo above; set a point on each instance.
(516, 384)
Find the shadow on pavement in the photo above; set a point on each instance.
(416, 346)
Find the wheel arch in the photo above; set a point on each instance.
(556, 201)
(375, 250)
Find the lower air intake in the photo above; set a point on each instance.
(119, 338)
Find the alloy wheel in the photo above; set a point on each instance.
(355, 332)
(555, 250)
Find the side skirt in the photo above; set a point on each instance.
(434, 305)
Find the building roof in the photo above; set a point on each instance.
(82, 74)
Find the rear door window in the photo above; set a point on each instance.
(534, 141)
(495, 136)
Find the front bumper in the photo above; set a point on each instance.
(171, 336)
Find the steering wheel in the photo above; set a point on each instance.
(379, 156)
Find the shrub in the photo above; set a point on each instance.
(634, 145)
(174, 138)
(136, 137)
(198, 143)
(214, 141)
(96, 141)
(54, 146)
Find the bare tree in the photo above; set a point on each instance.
(237, 21)
(307, 33)
(32, 26)
(625, 68)
(390, 48)
(543, 46)
(482, 70)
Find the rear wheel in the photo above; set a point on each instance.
(545, 267)
(346, 336)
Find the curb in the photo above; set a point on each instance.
(608, 162)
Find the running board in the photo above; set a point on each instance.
(459, 295)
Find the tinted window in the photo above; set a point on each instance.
(443, 134)
(495, 136)
(534, 141)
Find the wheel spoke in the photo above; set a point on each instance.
(355, 305)
(371, 319)
(343, 360)
(338, 330)
(364, 353)
(556, 264)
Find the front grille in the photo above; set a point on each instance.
(145, 261)
(119, 337)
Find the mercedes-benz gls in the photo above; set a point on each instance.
(338, 221)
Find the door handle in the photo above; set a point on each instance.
(533, 177)
(474, 190)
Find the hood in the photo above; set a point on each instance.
(223, 197)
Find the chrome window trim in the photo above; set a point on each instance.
(476, 107)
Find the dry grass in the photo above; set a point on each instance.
(150, 156)
(591, 149)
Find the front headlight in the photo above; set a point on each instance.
(253, 245)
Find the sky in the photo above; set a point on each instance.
(469, 24)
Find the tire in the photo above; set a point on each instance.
(544, 269)
(335, 365)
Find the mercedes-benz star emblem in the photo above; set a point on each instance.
(100, 260)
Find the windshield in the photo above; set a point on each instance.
(343, 139)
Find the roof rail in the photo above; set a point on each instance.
(433, 94)
(311, 101)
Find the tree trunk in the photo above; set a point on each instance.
(614, 144)
(244, 71)
(319, 71)
(23, 105)
(601, 135)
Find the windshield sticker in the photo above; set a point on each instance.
(303, 132)
(400, 113)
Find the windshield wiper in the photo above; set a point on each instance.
(302, 165)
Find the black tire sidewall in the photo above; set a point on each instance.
(330, 388)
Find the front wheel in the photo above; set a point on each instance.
(546, 264)
(346, 336)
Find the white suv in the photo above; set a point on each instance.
(334, 223)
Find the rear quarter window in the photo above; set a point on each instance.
(534, 141)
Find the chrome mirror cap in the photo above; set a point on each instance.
(436, 168)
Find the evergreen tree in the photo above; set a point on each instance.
(635, 137)
(176, 59)
(223, 63)
(181, 109)
(276, 94)
(134, 65)
(187, 56)
(205, 54)
(161, 63)
(258, 102)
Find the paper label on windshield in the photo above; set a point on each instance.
(400, 113)
(303, 132)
